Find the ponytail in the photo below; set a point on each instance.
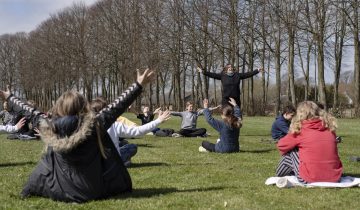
(229, 118)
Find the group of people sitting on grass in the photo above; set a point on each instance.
(11, 117)
(84, 159)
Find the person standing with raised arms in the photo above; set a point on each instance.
(230, 81)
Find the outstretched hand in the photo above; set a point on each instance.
(164, 115)
(214, 108)
(21, 123)
(199, 69)
(261, 70)
(157, 110)
(146, 77)
(206, 103)
(5, 94)
(232, 102)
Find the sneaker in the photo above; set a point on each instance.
(176, 135)
(206, 135)
(202, 149)
(26, 137)
(338, 139)
(150, 134)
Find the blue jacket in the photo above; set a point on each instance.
(229, 137)
(280, 127)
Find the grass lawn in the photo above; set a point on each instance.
(170, 173)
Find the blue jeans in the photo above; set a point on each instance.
(127, 151)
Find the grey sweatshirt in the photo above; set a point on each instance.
(189, 119)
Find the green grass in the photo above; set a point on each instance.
(170, 173)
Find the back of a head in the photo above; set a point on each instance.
(229, 118)
(98, 104)
(307, 110)
(70, 103)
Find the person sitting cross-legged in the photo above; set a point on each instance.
(228, 127)
(189, 120)
(120, 131)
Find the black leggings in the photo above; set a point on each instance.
(208, 146)
(192, 132)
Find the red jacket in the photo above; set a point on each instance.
(318, 155)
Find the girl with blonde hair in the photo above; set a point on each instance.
(309, 150)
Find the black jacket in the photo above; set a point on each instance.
(73, 169)
(231, 84)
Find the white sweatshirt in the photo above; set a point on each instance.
(8, 128)
(119, 130)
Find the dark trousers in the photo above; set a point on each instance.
(208, 146)
(164, 132)
(194, 132)
(127, 151)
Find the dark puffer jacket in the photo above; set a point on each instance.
(73, 169)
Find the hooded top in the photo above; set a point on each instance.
(73, 168)
(318, 154)
(280, 127)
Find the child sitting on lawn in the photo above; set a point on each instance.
(280, 127)
(188, 123)
(118, 131)
(309, 150)
(229, 128)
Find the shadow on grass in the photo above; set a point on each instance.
(17, 164)
(192, 164)
(139, 165)
(351, 174)
(151, 192)
(145, 145)
(267, 135)
(258, 151)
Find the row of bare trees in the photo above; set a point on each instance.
(97, 49)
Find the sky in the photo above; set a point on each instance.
(26, 15)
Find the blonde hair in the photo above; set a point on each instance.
(309, 110)
(70, 103)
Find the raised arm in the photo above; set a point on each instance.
(237, 111)
(250, 74)
(216, 124)
(16, 105)
(178, 114)
(126, 131)
(209, 74)
(110, 113)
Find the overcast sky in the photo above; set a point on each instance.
(26, 15)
